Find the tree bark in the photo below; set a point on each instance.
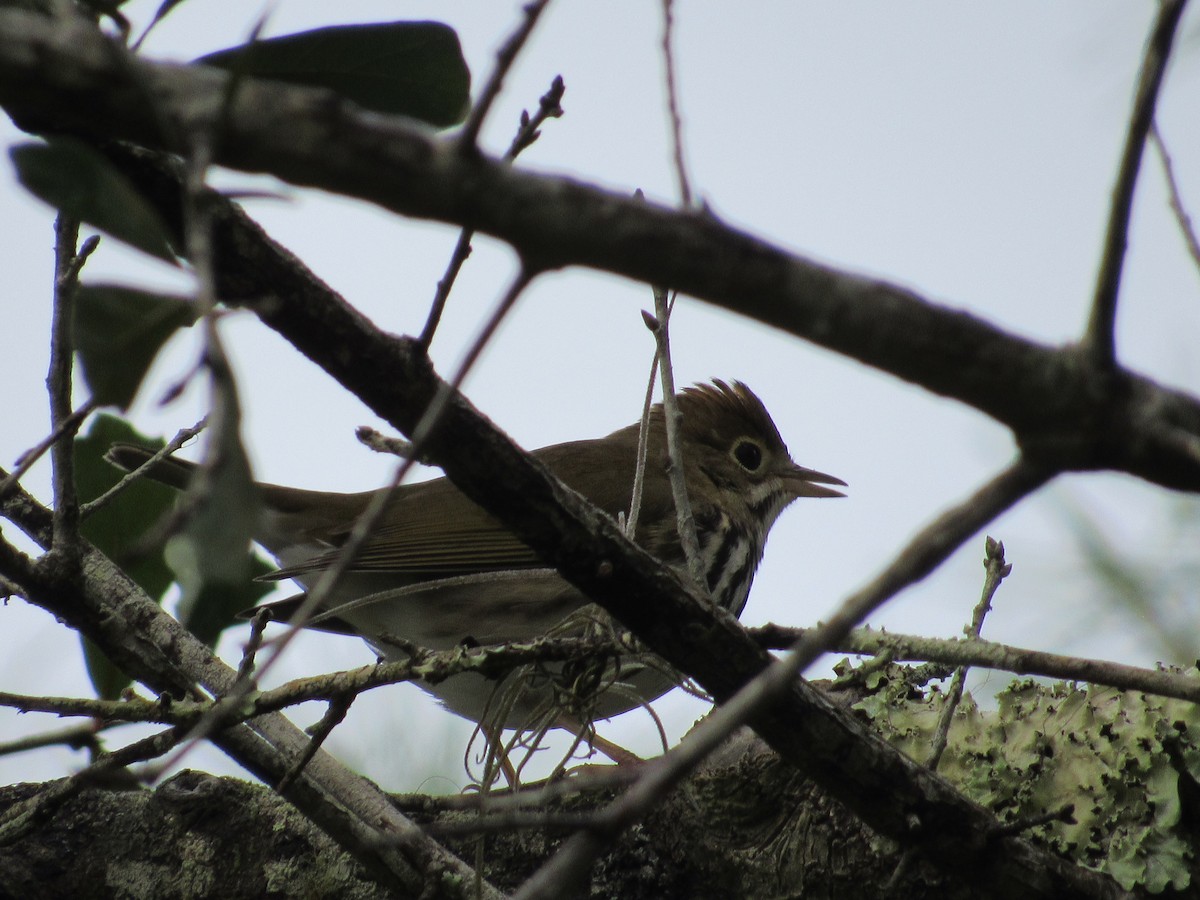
(747, 824)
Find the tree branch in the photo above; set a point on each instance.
(1062, 408)
(1099, 339)
(150, 645)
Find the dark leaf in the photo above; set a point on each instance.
(413, 69)
(74, 178)
(118, 332)
(216, 606)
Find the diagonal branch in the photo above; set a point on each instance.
(505, 58)
(149, 644)
(1191, 241)
(1061, 405)
(1099, 339)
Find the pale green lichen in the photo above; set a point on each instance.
(1124, 760)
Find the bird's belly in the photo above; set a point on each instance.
(488, 609)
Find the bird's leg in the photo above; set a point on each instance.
(615, 752)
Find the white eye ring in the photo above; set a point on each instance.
(748, 454)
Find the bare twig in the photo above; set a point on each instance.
(67, 426)
(181, 437)
(505, 56)
(1064, 813)
(549, 106)
(672, 422)
(258, 624)
(67, 265)
(334, 714)
(382, 443)
(685, 190)
(75, 737)
(577, 782)
(639, 471)
(981, 654)
(997, 571)
(1177, 205)
(1099, 338)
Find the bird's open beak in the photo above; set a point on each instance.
(811, 483)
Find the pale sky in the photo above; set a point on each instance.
(964, 150)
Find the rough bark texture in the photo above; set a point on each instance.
(195, 836)
(747, 825)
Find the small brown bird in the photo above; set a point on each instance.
(438, 571)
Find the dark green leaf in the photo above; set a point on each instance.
(119, 331)
(216, 606)
(413, 69)
(118, 529)
(74, 178)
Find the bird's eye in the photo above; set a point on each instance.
(748, 454)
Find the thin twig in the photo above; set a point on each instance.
(512, 820)
(685, 190)
(980, 654)
(438, 665)
(181, 437)
(67, 265)
(1064, 813)
(75, 737)
(258, 624)
(468, 138)
(549, 107)
(639, 471)
(33, 454)
(591, 779)
(334, 714)
(1099, 338)
(20, 819)
(382, 443)
(1177, 206)
(672, 422)
(997, 570)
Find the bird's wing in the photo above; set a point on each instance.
(431, 530)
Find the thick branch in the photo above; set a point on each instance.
(1063, 408)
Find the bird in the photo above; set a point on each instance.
(436, 571)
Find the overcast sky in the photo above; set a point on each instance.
(964, 150)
